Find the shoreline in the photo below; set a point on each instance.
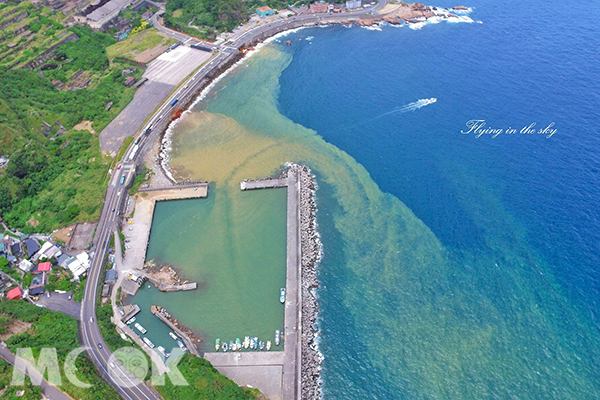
(414, 15)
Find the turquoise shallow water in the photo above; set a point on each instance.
(454, 267)
(239, 267)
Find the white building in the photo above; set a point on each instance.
(102, 15)
(25, 265)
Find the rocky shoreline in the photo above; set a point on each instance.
(311, 250)
(412, 13)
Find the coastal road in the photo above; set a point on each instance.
(126, 384)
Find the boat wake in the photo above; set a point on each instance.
(410, 107)
(415, 105)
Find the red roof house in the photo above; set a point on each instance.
(14, 294)
(44, 267)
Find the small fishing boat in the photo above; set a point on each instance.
(148, 342)
(173, 336)
(282, 295)
(277, 337)
(268, 345)
(181, 345)
(252, 343)
(255, 342)
(225, 347)
(162, 351)
(261, 345)
(246, 342)
(217, 344)
(140, 328)
(131, 321)
(231, 345)
(238, 344)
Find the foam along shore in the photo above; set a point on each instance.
(417, 13)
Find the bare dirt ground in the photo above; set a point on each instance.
(82, 236)
(63, 235)
(85, 126)
(166, 274)
(150, 54)
(15, 327)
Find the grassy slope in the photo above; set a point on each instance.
(137, 43)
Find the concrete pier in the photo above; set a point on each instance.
(170, 288)
(264, 184)
(191, 346)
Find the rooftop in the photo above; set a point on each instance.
(106, 9)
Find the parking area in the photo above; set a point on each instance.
(60, 302)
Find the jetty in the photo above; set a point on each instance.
(163, 287)
(268, 183)
(165, 317)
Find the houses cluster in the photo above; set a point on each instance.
(30, 255)
(318, 7)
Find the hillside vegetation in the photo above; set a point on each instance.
(207, 18)
(57, 175)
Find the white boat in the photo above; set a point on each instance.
(173, 336)
(162, 351)
(217, 344)
(140, 328)
(148, 342)
(181, 345)
(246, 342)
(131, 321)
(261, 345)
(252, 343)
(225, 347)
(268, 345)
(282, 295)
(277, 337)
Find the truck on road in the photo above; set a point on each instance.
(174, 102)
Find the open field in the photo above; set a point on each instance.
(138, 43)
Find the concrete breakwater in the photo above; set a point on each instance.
(185, 333)
(311, 250)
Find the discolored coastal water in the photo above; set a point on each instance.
(453, 267)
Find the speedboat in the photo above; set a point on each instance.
(238, 344)
(261, 345)
(217, 344)
(268, 345)
(255, 342)
(173, 336)
(148, 342)
(277, 337)
(225, 347)
(181, 345)
(131, 321)
(246, 342)
(282, 295)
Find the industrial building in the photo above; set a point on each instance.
(102, 15)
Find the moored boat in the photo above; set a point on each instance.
(181, 345)
(148, 342)
(131, 321)
(173, 336)
(140, 328)
(162, 351)
(251, 342)
(217, 344)
(261, 345)
(231, 344)
(277, 337)
(282, 295)
(255, 342)
(238, 344)
(268, 345)
(225, 347)
(246, 342)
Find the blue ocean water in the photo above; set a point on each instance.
(518, 214)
